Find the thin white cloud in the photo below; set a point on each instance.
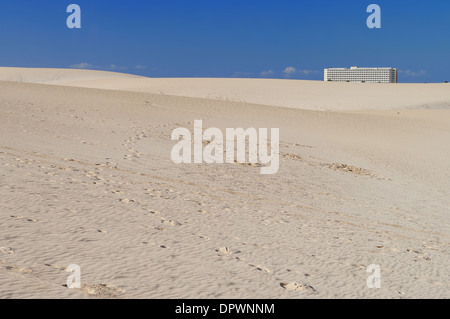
(268, 73)
(290, 70)
(140, 67)
(83, 65)
(307, 72)
(412, 73)
(116, 67)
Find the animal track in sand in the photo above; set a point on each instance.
(291, 156)
(94, 229)
(261, 268)
(6, 250)
(300, 145)
(248, 164)
(395, 250)
(170, 222)
(132, 140)
(13, 268)
(158, 228)
(223, 250)
(56, 267)
(297, 272)
(350, 168)
(226, 251)
(24, 218)
(414, 251)
(358, 266)
(425, 258)
(420, 253)
(101, 290)
(294, 286)
(354, 170)
(126, 200)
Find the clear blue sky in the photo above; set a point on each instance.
(229, 38)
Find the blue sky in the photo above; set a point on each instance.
(228, 38)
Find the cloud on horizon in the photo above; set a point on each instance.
(288, 72)
(111, 67)
(83, 65)
(291, 71)
(267, 74)
(412, 73)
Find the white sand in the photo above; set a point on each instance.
(86, 178)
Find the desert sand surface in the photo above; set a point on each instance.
(86, 178)
(306, 95)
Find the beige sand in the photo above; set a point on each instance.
(306, 95)
(86, 178)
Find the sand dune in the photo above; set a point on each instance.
(58, 76)
(86, 178)
(299, 94)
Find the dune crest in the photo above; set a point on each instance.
(298, 94)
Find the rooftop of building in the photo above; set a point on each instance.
(363, 68)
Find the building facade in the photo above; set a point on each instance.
(355, 74)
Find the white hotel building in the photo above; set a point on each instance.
(355, 74)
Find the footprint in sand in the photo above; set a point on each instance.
(14, 268)
(292, 156)
(297, 272)
(224, 250)
(294, 286)
(170, 222)
(101, 290)
(420, 253)
(300, 145)
(126, 200)
(158, 228)
(56, 267)
(25, 218)
(6, 250)
(355, 170)
(248, 164)
(93, 229)
(261, 268)
(414, 251)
